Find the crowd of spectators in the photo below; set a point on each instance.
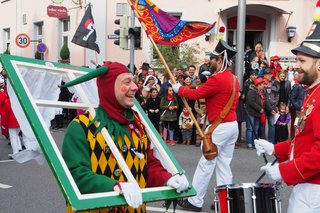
(266, 86)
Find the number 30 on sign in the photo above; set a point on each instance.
(22, 40)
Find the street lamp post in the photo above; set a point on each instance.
(241, 29)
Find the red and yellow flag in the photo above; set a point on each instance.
(165, 28)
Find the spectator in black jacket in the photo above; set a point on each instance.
(247, 83)
(296, 98)
(285, 88)
(153, 107)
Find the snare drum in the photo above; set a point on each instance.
(247, 198)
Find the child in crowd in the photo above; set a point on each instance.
(261, 68)
(262, 58)
(281, 124)
(290, 75)
(180, 78)
(185, 124)
(255, 63)
(153, 108)
(187, 81)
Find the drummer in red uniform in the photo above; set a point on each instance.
(217, 91)
(299, 158)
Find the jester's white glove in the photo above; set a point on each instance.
(131, 192)
(179, 182)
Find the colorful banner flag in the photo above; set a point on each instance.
(85, 35)
(165, 28)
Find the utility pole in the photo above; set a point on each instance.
(241, 29)
(132, 20)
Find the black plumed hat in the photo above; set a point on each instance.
(223, 48)
(311, 44)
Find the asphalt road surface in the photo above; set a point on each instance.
(30, 187)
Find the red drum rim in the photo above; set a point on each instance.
(244, 186)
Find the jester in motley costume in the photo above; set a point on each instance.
(90, 160)
(299, 158)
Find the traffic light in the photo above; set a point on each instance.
(137, 35)
(122, 32)
(207, 38)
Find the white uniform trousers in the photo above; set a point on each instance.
(15, 140)
(225, 137)
(305, 198)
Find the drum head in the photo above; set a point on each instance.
(244, 186)
(246, 198)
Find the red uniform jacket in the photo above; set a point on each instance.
(8, 120)
(217, 91)
(3, 98)
(305, 165)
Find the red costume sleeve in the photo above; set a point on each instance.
(8, 119)
(282, 150)
(5, 113)
(157, 175)
(3, 97)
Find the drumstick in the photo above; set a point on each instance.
(254, 133)
(264, 173)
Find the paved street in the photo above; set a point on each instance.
(29, 187)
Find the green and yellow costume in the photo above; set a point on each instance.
(92, 164)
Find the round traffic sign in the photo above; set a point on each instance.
(41, 47)
(57, 1)
(23, 40)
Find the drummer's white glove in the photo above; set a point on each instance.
(272, 172)
(175, 87)
(263, 146)
(179, 182)
(131, 192)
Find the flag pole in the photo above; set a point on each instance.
(172, 78)
(96, 55)
(218, 25)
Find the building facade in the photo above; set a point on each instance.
(266, 21)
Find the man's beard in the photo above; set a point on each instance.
(213, 67)
(308, 78)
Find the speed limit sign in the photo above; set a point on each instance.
(22, 40)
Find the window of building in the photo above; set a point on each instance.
(64, 32)
(38, 29)
(65, 25)
(6, 39)
(122, 9)
(38, 35)
(24, 19)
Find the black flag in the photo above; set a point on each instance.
(85, 35)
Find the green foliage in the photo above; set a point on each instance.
(7, 52)
(38, 55)
(178, 56)
(64, 52)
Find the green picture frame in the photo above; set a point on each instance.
(30, 105)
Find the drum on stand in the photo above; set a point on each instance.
(248, 198)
